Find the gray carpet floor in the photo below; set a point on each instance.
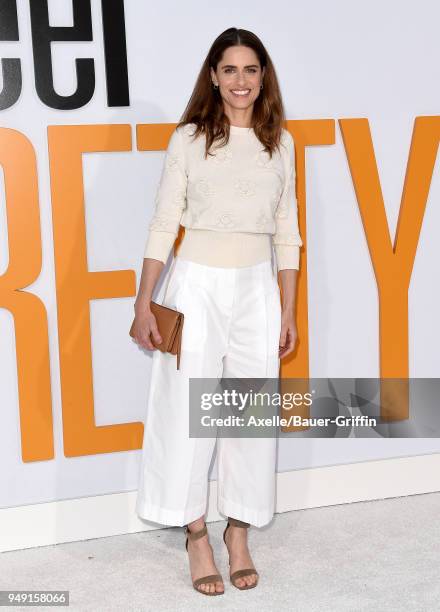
(376, 556)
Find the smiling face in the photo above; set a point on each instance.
(239, 76)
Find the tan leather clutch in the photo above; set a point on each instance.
(170, 325)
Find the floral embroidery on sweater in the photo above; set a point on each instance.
(244, 187)
(226, 220)
(262, 221)
(172, 162)
(205, 187)
(222, 155)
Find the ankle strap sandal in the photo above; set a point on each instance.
(195, 535)
(243, 572)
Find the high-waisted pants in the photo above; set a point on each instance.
(232, 323)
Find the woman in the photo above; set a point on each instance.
(229, 179)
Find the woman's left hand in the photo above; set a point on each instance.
(288, 335)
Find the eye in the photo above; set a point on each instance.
(253, 70)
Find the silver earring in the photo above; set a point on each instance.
(215, 86)
(261, 86)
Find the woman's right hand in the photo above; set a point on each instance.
(145, 324)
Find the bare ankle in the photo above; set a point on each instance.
(197, 524)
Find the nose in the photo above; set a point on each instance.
(241, 78)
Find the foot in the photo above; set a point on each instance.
(239, 556)
(201, 560)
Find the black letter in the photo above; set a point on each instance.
(11, 68)
(42, 35)
(113, 25)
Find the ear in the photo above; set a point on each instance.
(213, 76)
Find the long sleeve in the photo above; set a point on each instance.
(170, 201)
(287, 239)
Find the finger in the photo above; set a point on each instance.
(285, 336)
(289, 345)
(146, 343)
(282, 341)
(156, 335)
(285, 352)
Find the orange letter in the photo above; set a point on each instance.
(76, 286)
(392, 263)
(31, 338)
(306, 133)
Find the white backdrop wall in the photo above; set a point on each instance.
(377, 60)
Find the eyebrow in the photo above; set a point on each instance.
(231, 66)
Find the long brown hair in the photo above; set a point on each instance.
(205, 106)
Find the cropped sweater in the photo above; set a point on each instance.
(234, 205)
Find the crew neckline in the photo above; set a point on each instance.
(234, 129)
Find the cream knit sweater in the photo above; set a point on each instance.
(233, 205)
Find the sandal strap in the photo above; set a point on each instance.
(243, 572)
(236, 523)
(195, 535)
(208, 579)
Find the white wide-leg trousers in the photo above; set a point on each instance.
(232, 323)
